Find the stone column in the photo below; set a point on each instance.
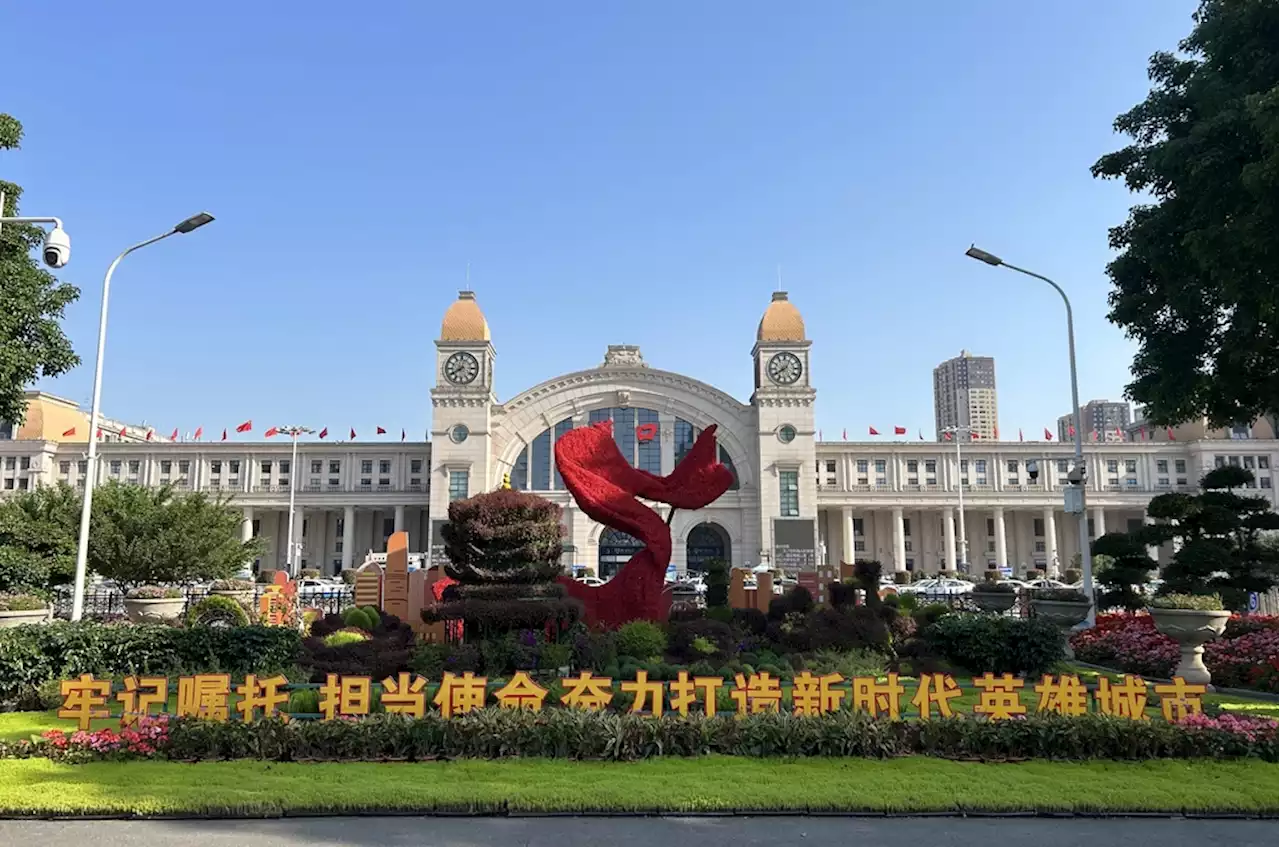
(1153, 552)
(348, 535)
(399, 519)
(899, 542)
(246, 524)
(949, 536)
(847, 539)
(1050, 544)
(1002, 549)
(1099, 523)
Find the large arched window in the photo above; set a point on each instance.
(686, 433)
(637, 434)
(706, 541)
(616, 549)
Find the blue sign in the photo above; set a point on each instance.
(1253, 601)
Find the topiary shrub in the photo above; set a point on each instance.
(996, 644)
(217, 611)
(358, 618)
(717, 580)
(343, 637)
(867, 576)
(348, 576)
(308, 573)
(841, 594)
(503, 549)
(641, 640)
(750, 621)
(798, 601)
(700, 640)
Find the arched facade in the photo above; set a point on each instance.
(656, 416)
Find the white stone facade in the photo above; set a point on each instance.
(797, 501)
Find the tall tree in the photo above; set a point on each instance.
(1195, 281)
(32, 344)
(38, 538)
(1222, 536)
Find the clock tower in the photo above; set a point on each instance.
(462, 401)
(784, 409)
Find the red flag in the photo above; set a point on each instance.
(1071, 431)
(123, 430)
(1048, 436)
(324, 433)
(69, 432)
(946, 436)
(247, 426)
(353, 433)
(1169, 432)
(174, 436)
(199, 433)
(271, 432)
(224, 433)
(99, 435)
(379, 431)
(996, 430)
(899, 430)
(402, 434)
(1142, 434)
(148, 435)
(973, 436)
(1020, 433)
(871, 430)
(1093, 436)
(1120, 432)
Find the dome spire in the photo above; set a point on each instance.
(463, 320)
(782, 320)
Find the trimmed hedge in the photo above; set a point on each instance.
(31, 655)
(991, 643)
(572, 734)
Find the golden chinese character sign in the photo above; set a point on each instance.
(1003, 697)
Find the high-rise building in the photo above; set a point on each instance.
(964, 395)
(1104, 417)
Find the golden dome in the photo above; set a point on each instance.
(463, 321)
(781, 321)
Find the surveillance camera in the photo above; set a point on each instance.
(57, 248)
(1076, 475)
(1033, 470)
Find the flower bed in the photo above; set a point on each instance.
(571, 734)
(1245, 657)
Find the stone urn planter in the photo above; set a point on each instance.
(154, 611)
(996, 602)
(23, 617)
(1064, 614)
(1191, 628)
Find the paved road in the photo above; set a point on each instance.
(666, 832)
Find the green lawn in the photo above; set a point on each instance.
(248, 789)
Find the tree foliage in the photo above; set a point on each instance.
(32, 344)
(38, 538)
(142, 535)
(1196, 276)
(1122, 566)
(1222, 537)
(504, 548)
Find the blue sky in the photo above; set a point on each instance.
(613, 173)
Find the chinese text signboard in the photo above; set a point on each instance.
(794, 547)
(210, 696)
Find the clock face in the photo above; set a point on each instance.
(785, 368)
(461, 368)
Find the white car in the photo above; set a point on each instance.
(314, 589)
(590, 581)
(939, 585)
(1046, 583)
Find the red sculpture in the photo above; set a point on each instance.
(606, 487)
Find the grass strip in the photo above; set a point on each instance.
(39, 787)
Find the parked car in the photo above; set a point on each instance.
(316, 589)
(1046, 583)
(944, 585)
(590, 581)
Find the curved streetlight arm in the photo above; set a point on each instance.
(91, 468)
(1086, 557)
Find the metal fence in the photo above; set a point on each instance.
(964, 602)
(106, 604)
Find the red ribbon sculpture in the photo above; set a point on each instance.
(606, 487)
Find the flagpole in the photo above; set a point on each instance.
(964, 540)
(290, 554)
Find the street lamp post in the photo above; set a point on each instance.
(291, 555)
(964, 540)
(91, 472)
(1075, 492)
